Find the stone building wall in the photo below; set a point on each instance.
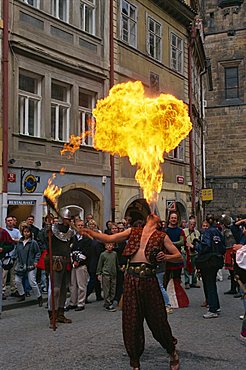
(225, 45)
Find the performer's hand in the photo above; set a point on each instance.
(1, 250)
(161, 256)
(236, 247)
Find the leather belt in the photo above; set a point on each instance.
(61, 257)
(141, 270)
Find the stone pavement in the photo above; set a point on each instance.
(94, 340)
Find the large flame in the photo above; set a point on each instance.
(142, 128)
(52, 192)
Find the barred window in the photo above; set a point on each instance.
(231, 83)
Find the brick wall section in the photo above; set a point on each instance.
(226, 119)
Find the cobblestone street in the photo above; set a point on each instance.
(94, 340)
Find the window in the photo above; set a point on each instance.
(60, 111)
(87, 16)
(86, 120)
(154, 38)
(197, 148)
(178, 153)
(29, 104)
(176, 53)
(34, 3)
(129, 23)
(231, 83)
(60, 9)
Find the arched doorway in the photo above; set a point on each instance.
(138, 210)
(81, 200)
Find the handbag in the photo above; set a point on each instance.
(7, 262)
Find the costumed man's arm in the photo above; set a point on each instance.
(174, 254)
(7, 243)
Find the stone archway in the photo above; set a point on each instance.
(182, 211)
(85, 197)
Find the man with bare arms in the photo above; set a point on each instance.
(142, 296)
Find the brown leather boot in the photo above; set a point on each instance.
(51, 319)
(61, 318)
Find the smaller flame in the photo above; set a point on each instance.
(52, 192)
(62, 171)
(74, 143)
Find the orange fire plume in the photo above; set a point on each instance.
(142, 128)
(52, 192)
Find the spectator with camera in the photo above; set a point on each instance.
(81, 253)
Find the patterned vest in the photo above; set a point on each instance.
(156, 241)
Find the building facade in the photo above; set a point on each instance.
(60, 57)
(225, 44)
(57, 69)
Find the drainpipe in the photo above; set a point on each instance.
(5, 93)
(111, 84)
(191, 153)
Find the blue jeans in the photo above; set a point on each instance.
(160, 278)
(210, 287)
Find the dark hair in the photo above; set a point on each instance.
(8, 217)
(26, 227)
(139, 223)
(210, 218)
(30, 216)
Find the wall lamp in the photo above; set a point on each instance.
(38, 163)
(12, 161)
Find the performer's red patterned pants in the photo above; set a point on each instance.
(142, 299)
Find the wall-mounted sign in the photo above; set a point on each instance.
(171, 205)
(207, 194)
(30, 183)
(11, 177)
(21, 202)
(180, 179)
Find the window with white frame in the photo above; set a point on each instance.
(178, 152)
(154, 38)
(128, 23)
(60, 111)
(60, 9)
(176, 53)
(34, 3)
(29, 104)
(87, 16)
(86, 120)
